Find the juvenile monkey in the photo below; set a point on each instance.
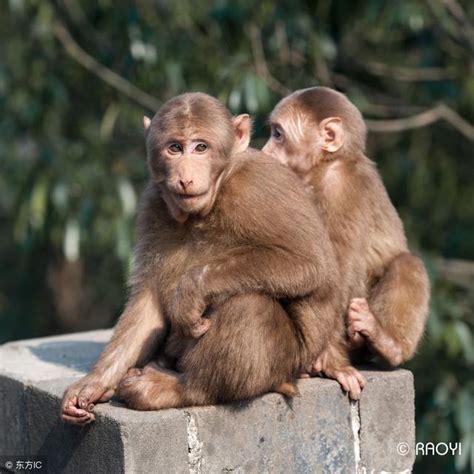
(219, 242)
(321, 136)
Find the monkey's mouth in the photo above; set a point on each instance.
(190, 198)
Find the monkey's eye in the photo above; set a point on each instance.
(277, 134)
(201, 147)
(175, 148)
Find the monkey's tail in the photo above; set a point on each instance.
(288, 389)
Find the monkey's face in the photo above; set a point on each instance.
(187, 166)
(293, 141)
(314, 125)
(190, 142)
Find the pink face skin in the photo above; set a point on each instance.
(189, 166)
(191, 179)
(298, 142)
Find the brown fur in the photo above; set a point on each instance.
(364, 226)
(216, 264)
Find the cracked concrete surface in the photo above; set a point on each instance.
(321, 431)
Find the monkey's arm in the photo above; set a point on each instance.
(284, 248)
(135, 336)
(274, 271)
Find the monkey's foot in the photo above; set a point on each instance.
(362, 323)
(350, 379)
(150, 389)
(79, 401)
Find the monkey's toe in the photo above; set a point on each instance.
(351, 380)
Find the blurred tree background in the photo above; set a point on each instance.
(76, 76)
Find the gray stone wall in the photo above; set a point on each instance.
(319, 432)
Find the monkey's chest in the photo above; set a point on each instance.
(175, 260)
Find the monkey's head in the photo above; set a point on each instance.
(189, 142)
(312, 125)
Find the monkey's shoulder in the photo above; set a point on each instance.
(261, 195)
(256, 175)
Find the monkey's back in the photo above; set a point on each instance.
(363, 224)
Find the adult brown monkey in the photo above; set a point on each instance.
(321, 135)
(216, 236)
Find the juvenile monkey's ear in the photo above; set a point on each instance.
(331, 133)
(242, 126)
(146, 122)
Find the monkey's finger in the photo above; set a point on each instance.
(77, 421)
(354, 392)
(305, 375)
(341, 378)
(361, 301)
(90, 394)
(360, 378)
(72, 410)
(355, 308)
(355, 316)
(68, 400)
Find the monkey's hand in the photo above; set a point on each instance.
(189, 304)
(79, 399)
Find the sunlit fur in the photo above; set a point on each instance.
(254, 267)
(363, 224)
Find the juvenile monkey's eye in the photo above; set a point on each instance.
(175, 148)
(201, 147)
(277, 134)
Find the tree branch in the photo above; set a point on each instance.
(456, 10)
(412, 74)
(261, 64)
(101, 71)
(455, 270)
(439, 112)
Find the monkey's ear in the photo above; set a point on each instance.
(331, 133)
(242, 127)
(146, 122)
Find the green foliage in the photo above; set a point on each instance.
(72, 155)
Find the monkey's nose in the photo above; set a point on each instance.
(185, 184)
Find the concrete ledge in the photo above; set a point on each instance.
(322, 431)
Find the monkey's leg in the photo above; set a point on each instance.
(135, 337)
(250, 349)
(393, 320)
(318, 319)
